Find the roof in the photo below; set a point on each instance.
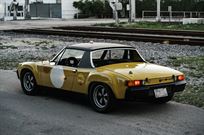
(97, 46)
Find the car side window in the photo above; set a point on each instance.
(71, 57)
(116, 54)
(98, 54)
(108, 54)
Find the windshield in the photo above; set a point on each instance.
(113, 56)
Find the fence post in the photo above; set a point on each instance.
(132, 10)
(158, 18)
(190, 14)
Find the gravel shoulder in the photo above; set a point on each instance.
(16, 48)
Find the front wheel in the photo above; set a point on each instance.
(28, 83)
(101, 98)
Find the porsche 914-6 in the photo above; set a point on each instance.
(105, 72)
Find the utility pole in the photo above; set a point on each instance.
(5, 14)
(116, 13)
(132, 10)
(116, 6)
(14, 7)
(27, 10)
(158, 18)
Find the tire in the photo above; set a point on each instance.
(163, 100)
(101, 98)
(28, 83)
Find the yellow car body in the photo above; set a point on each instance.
(120, 77)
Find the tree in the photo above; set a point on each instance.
(91, 7)
(98, 8)
(101, 8)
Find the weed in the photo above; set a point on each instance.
(193, 67)
(156, 25)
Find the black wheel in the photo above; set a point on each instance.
(28, 83)
(163, 100)
(101, 98)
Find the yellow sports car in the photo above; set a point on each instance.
(105, 72)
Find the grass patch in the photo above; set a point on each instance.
(156, 25)
(193, 95)
(193, 68)
(195, 65)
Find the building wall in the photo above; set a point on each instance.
(1, 9)
(4, 4)
(68, 10)
(46, 10)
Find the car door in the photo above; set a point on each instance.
(59, 74)
(56, 76)
(80, 80)
(68, 62)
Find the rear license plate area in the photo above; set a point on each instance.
(160, 92)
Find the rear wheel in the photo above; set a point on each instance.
(28, 83)
(101, 97)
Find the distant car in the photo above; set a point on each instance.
(105, 72)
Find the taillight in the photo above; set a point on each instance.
(181, 77)
(134, 83)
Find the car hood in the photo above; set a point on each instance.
(141, 70)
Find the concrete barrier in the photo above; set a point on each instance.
(193, 21)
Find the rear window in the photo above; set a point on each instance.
(113, 56)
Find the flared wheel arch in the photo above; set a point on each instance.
(92, 84)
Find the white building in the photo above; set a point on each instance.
(67, 9)
(1, 9)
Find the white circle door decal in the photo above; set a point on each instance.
(57, 76)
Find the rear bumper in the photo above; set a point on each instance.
(147, 92)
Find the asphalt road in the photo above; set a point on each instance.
(62, 113)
